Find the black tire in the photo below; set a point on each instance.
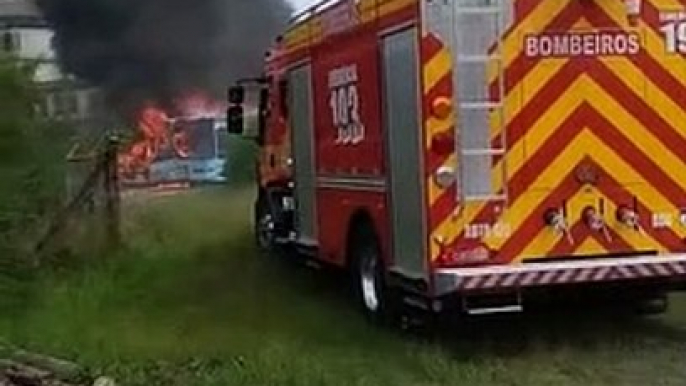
(652, 306)
(372, 295)
(263, 227)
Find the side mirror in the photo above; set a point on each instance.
(234, 118)
(236, 95)
(248, 109)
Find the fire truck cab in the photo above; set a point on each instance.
(470, 152)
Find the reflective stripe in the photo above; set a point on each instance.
(545, 274)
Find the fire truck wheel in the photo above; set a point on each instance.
(653, 305)
(264, 227)
(369, 278)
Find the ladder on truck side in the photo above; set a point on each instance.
(478, 33)
(479, 28)
(474, 32)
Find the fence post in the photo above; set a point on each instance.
(112, 193)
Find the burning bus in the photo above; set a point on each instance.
(187, 149)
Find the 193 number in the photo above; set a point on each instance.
(345, 110)
(675, 36)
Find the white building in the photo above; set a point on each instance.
(25, 35)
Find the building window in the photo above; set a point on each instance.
(11, 41)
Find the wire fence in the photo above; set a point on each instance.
(91, 216)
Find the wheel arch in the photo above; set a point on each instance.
(361, 221)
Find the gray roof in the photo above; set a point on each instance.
(18, 8)
(20, 14)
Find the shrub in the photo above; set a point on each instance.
(31, 170)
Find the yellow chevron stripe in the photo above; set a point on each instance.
(539, 133)
(547, 239)
(559, 169)
(544, 242)
(516, 99)
(545, 71)
(672, 5)
(559, 112)
(534, 22)
(643, 140)
(437, 68)
(538, 77)
(590, 246)
(513, 42)
(673, 113)
(646, 193)
(552, 176)
(531, 84)
(654, 45)
(623, 120)
(653, 42)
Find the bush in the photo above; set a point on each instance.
(31, 169)
(31, 158)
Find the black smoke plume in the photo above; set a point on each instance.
(142, 50)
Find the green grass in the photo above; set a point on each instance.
(191, 303)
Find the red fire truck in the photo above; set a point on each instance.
(473, 152)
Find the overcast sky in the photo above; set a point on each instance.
(300, 4)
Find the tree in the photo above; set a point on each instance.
(31, 158)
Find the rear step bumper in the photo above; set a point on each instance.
(522, 276)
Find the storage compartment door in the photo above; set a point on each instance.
(401, 123)
(300, 100)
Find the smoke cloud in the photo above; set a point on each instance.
(143, 50)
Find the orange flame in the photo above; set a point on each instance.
(152, 127)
